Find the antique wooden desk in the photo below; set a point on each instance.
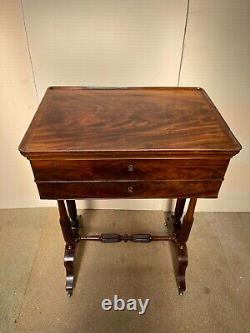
(128, 143)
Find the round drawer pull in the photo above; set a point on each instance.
(130, 189)
(130, 168)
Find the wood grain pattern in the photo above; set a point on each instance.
(131, 189)
(75, 121)
(140, 169)
(128, 143)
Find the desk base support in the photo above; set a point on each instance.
(70, 230)
(180, 227)
(178, 232)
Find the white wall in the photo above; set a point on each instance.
(217, 57)
(105, 42)
(17, 106)
(122, 43)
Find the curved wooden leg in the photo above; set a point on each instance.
(182, 231)
(70, 247)
(181, 265)
(71, 205)
(69, 256)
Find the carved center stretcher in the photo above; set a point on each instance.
(128, 143)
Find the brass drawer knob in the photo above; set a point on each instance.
(130, 189)
(130, 168)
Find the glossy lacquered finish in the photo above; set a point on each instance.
(131, 189)
(137, 178)
(82, 135)
(129, 169)
(80, 122)
(128, 143)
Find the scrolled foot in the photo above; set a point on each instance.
(181, 265)
(179, 257)
(69, 266)
(180, 280)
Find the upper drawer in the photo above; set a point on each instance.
(123, 169)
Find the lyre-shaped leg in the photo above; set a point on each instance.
(182, 231)
(70, 247)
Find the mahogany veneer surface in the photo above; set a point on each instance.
(75, 119)
(110, 143)
(128, 143)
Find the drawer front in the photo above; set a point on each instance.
(128, 189)
(141, 169)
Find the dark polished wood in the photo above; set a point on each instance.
(179, 208)
(180, 258)
(75, 121)
(187, 222)
(65, 223)
(71, 205)
(136, 238)
(128, 143)
(132, 189)
(129, 169)
(69, 246)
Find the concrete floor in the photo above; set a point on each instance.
(32, 296)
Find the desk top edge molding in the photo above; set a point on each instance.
(129, 153)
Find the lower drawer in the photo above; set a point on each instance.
(129, 189)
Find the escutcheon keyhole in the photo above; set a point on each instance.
(130, 189)
(130, 168)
